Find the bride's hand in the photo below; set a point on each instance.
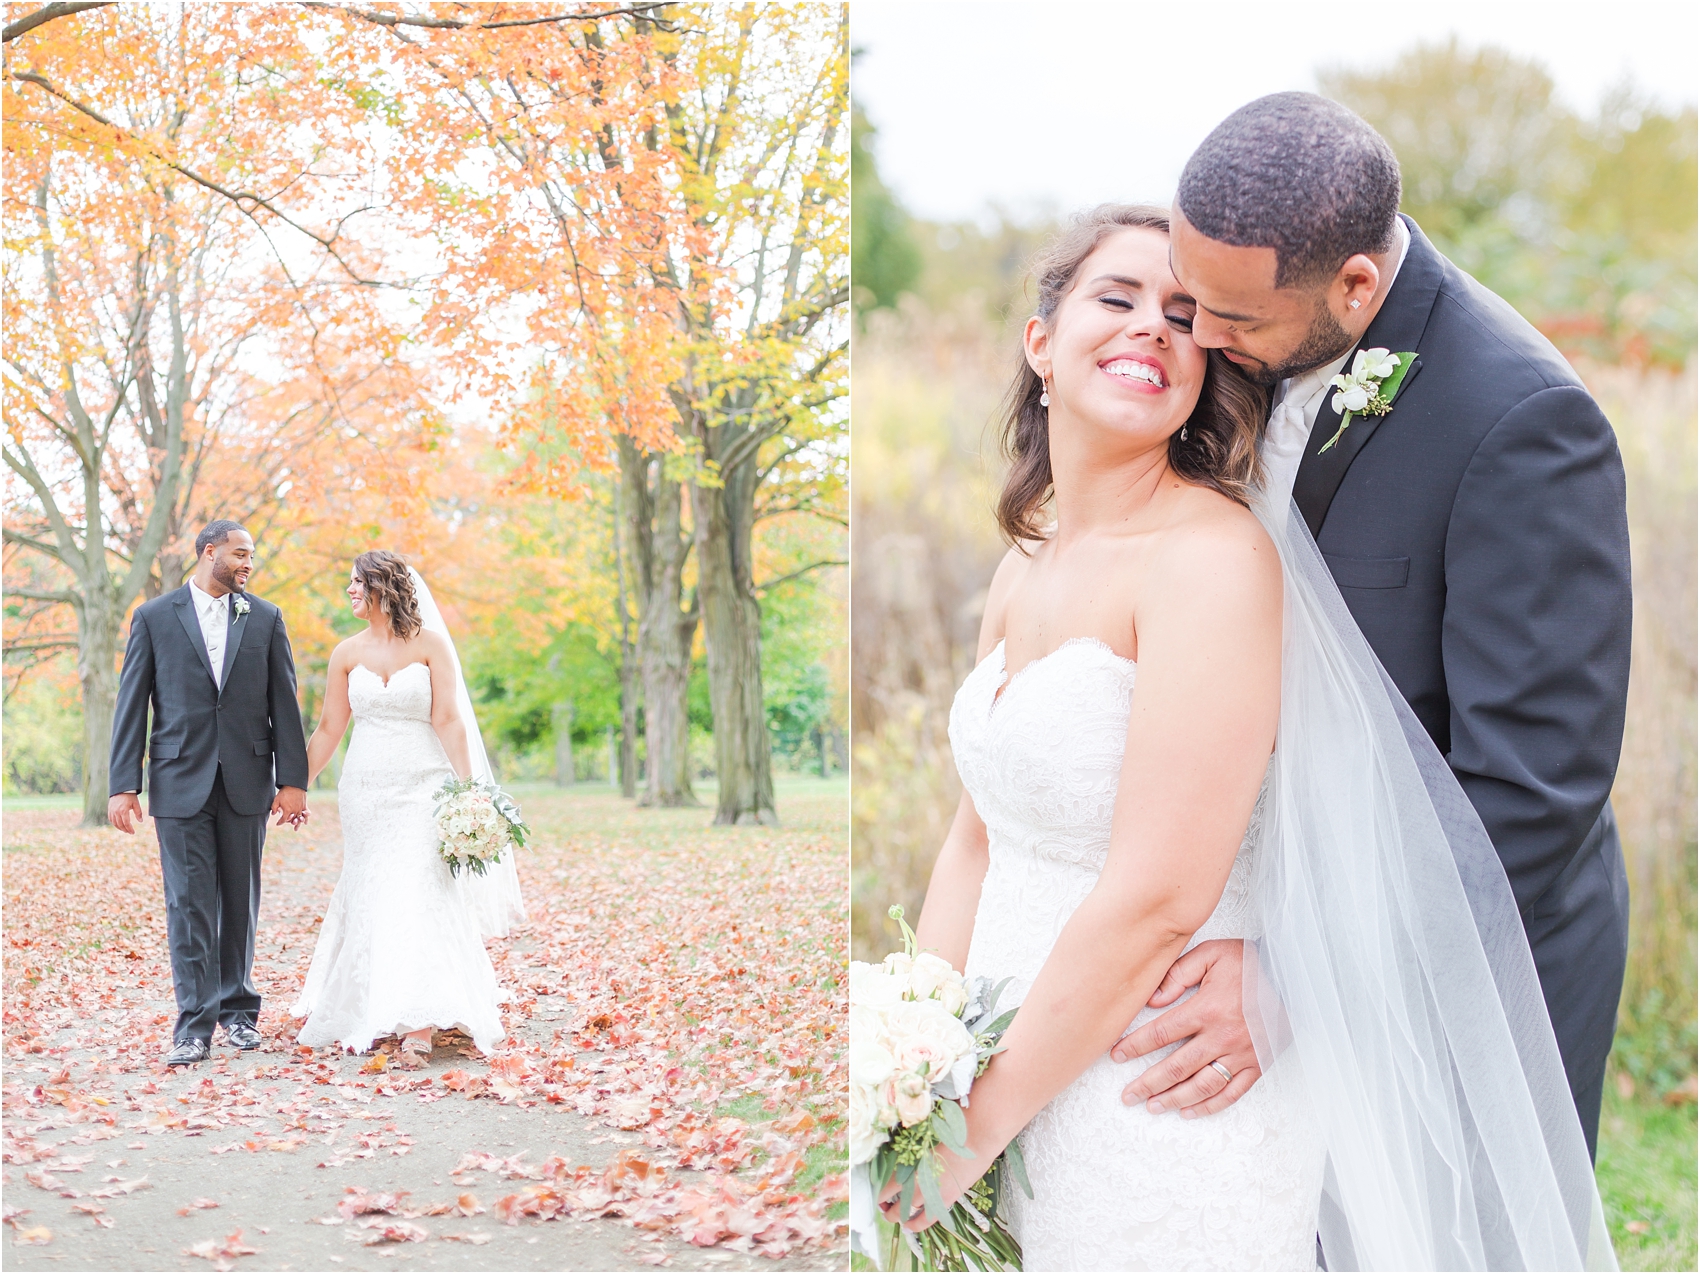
(956, 1174)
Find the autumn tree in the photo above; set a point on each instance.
(763, 141)
(533, 156)
(145, 298)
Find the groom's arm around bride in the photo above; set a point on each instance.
(1477, 532)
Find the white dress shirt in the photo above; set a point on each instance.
(1298, 401)
(214, 614)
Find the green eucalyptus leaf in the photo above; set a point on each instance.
(952, 1127)
(927, 1177)
(1018, 1166)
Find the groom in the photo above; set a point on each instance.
(1477, 532)
(214, 664)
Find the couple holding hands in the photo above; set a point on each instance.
(401, 949)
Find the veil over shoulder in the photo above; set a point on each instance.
(494, 897)
(1394, 970)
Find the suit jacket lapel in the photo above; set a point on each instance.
(1398, 326)
(233, 637)
(191, 622)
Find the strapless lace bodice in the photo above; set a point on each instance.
(406, 696)
(1041, 755)
(1116, 1188)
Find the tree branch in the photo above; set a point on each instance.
(41, 595)
(378, 18)
(46, 14)
(245, 201)
(801, 570)
(19, 462)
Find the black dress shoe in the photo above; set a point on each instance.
(188, 1052)
(242, 1035)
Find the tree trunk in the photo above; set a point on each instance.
(628, 648)
(654, 505)
(564, 774)
(97, 670)
(731, 629)
(628, 725)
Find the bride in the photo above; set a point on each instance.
(1174, 733)
(401, 949)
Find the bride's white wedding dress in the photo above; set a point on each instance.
(1115, 1187)
(1413, 1108)
(400, 948)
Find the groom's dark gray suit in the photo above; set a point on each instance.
(214, 752)
(1479, 536)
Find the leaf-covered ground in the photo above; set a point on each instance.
(671, 1090)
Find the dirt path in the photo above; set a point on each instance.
(597, 1113)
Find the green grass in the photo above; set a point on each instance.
(1646, 1171)
(57, 801)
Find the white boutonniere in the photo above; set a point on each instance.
(1368, 389)
(241, 605)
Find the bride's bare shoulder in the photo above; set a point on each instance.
(1212, 537)
(430, 646)
(1006, 580)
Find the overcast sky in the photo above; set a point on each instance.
(1065, 103)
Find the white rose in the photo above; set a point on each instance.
(871, 1062)
(898, 964)
(866, 1134)
(871, 985)
(926, 1031)
(931, 976)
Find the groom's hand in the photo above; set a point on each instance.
(290, 806)
(1213, 1025)
(124, 812)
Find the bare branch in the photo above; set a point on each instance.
(42, 595)
(46, 14)
(246, 202)
(801, 570)
(381, 19)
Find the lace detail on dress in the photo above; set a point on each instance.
(1115, 1188)
(400, 948)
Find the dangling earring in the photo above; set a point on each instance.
(1045, 395)
(1183, 433)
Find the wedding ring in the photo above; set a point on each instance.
(1226, 1073)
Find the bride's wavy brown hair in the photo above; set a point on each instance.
(384, 577)
(1220, 449)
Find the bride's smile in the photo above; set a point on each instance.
(1118, 354)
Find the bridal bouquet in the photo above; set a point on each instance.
(920, 1034)
(476, 821)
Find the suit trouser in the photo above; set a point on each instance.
(211, 862)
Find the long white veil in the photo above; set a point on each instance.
(1393, 979)
(494, 896)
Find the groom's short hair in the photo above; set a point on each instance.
(216, 532)
(1297, 173)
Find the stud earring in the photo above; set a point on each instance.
(1354, 304)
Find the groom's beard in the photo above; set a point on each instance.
(227, 576)
(1323, 343)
